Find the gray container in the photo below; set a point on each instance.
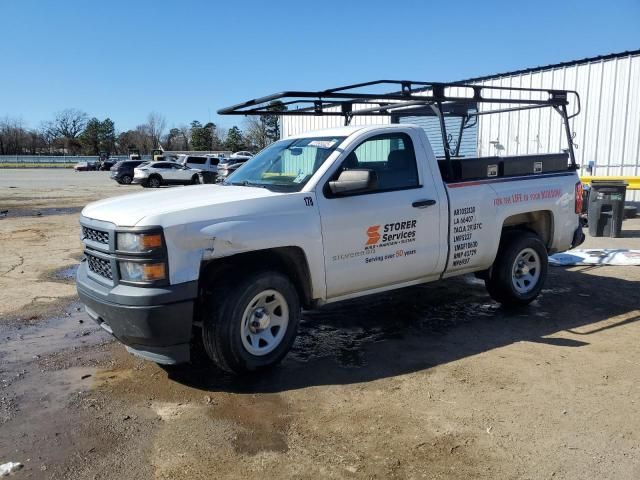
(606, 207)
(207, 177)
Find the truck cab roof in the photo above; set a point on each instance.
(351, 129)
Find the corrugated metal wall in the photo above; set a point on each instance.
(431, 125)
(607, 131)
(294, 125)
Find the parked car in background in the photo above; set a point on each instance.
(84, 166)
(207, 163)
(242, 154)
(122, 172)
(229, 165)
(107, 163)
(155, 174)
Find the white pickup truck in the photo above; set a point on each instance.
(313, 219)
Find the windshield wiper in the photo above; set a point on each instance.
(247, 183)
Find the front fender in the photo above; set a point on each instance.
(190, 245)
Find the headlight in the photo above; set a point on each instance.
(142, 272)
(139, 242)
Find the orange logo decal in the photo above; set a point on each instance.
(373, 234)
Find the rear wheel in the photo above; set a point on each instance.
(126, 179)
(195, 180)
(520, 269)
(252, 325)
(154, 181)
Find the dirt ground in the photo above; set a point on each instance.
(432, 382)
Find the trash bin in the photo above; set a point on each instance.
(207, 177)
(606, 207)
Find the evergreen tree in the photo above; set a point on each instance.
(107, 135)
(201, 136)
(235, 140)
(90, 137)
(272, 122)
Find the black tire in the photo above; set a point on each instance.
(195, 180)
(507, 284)
(222, 326)
(154, 181)
(126, 179)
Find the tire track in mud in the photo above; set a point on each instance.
(193, 431)
(19, 264)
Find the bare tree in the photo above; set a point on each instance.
(67, 125)
(156, 124)
(256, 133)
(14, 138)
(222, 135)
(48, 132)
(185, 132)
(70, 122)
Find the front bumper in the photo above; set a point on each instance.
(154, 323)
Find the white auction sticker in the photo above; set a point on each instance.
(322, 143)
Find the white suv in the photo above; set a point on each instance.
(207, 163)
(155, 174)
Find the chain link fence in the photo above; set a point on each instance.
(52, 161)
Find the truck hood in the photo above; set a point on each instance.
(128, 210)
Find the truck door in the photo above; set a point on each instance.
(388, 235)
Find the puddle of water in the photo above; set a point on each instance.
(65, 274)
(24, 343)
(343, 331)
(41, 212)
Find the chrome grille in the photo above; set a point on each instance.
(94, 235)
(100, 267)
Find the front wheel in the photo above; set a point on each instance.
(519, 271)
(251, 325)
(195, 180)
(154, 181)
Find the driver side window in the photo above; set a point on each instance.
(390, 156)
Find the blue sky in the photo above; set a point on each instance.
(186, 59)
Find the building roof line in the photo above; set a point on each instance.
(627, 53)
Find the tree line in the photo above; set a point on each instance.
(73, 132)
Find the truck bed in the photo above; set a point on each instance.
(478, 168)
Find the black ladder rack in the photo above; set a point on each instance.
(416, 99)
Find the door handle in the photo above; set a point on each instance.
(423, 203)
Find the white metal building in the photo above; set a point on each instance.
(606, 132)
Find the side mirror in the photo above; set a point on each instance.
(354, 181)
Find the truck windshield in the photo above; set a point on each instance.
(285, 165)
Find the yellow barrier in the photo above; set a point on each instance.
(634, 182)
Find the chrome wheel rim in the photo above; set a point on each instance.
(264, 322)
(154, 182)
(526, 271)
